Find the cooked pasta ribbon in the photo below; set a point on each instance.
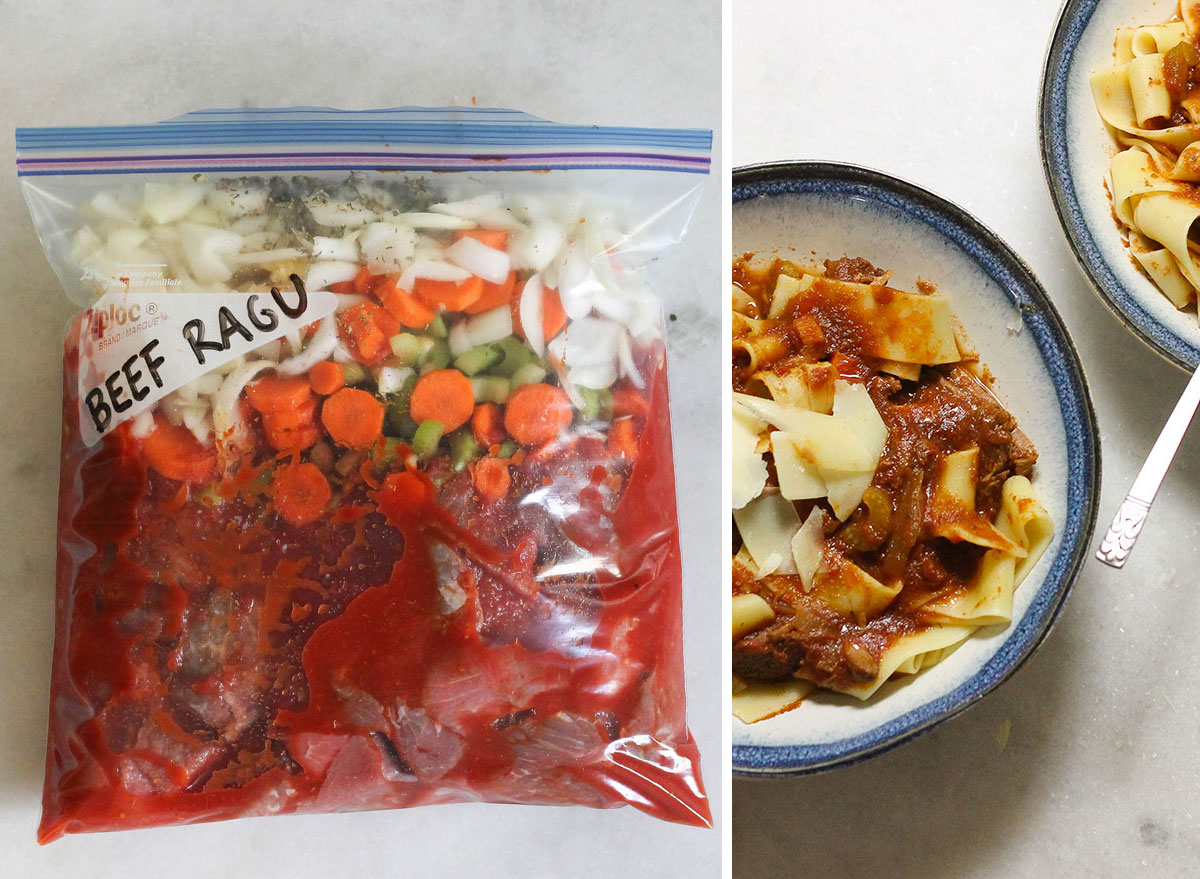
(847, 488)
(1150, 100)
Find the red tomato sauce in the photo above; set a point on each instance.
(213, 661)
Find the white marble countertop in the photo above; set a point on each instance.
(614, 63)
(1100, 770)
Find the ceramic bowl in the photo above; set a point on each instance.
(808, 210)
(1076, 149)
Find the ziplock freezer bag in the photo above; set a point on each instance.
(366, 496)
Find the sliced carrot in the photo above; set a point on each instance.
(291, 438)
(363, 328)
(289, 419)
(365, 283)
(537, 413)
(447, 294)
(327, 377)
(402, 305)
(443, 395)
(494, 295)
(554, 317)
(488, 425)
(628, 402)
(491, 478)
(342, 288)
(353, 418)
(275, 393)
(301, 492)
(174, 451)
(623, 439)
(496, 238)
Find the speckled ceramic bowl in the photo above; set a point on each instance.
(1076, 149)
(830, 210)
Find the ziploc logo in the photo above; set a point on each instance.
(135, 348)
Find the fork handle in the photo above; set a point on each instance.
(1123, 532)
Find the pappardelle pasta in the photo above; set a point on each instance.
(1150, 100)
(882, 502)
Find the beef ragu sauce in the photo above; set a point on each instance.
(890, 535)
(396, 651)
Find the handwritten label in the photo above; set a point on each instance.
(135, 348)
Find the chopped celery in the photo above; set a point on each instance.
(590, 410)
(529, 374)
(409, 349)
(437, 357)
(478, 359)
(490, 389)
(437, 327)
(515, 354)
(398, 421)
(508, 448)
(463, 448)
(428, 435)
(355, 373)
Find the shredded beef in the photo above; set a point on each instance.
(769, 655)
(854, 269)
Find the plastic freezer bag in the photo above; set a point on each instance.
(366, 495)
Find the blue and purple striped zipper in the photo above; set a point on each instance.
(324, 139)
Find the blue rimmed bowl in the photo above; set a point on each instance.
(1076, 150)
(808, 210)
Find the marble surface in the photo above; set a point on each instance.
(614, 63)
(1084, 763)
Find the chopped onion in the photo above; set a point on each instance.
(143, 424)
(195, 419)
(470, 208)
(387, 247)
(205, 250)
(421, 220)
(201, 385)
(535, 247)
(172, 407)
(237, 203)
(390, 379)
(320, 346)
(169, 202)
(489, 326)
(530, 311)
(126, 237)
(224, 401)
(345, 300)
(458, 340)
(479, 259)
(272, 350)
(345, 249)
(342, 354)
(625, 358)
(106, 205)
(322, 274)
(433, 270)
(249, 224)
(338, 214)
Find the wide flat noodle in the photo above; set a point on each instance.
(756, 700)
(904, 650)
(1114, 102)
(1024, 521)
(951, 510)
(904, 327)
